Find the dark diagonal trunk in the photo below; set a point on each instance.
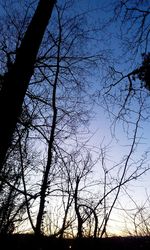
(16, 80)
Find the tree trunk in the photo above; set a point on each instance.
(44, 185)
(79, 218)
(16, 80)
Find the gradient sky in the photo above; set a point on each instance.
(100, 126)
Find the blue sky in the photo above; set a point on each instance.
(100, 133)
(101, 124)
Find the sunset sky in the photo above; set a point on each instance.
(111, 130)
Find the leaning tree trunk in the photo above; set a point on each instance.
(16, 80)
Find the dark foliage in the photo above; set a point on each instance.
(143, 73)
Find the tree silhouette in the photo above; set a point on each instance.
(48, 148)
(143, 73)
(16, 80)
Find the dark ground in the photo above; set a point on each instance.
(30, 242)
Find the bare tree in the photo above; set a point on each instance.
(55, 104)
(133, 18)
(55, 108)
(139, 218)
(20, 72)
